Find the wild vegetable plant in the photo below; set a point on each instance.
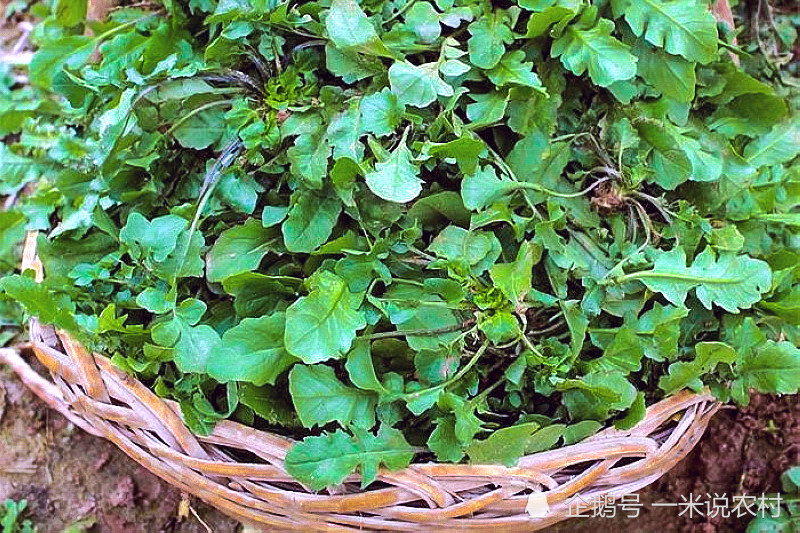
(451, 230)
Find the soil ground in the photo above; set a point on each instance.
(70, 477)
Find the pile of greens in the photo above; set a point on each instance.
(443, 229)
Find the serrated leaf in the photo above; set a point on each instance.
(201, 129)
(465, 150)
(550, 13)
(512, 70)
(39, 301)
(599, 393)
(423, 20)
(730, 281)
(478, 250)
(606, 59)
(500, 327)
(771, 368)
(681, 374)
(443, 441)
(490, 34)
(323, 324)
(319, 397)
(488, 108)
(682, 27)
(672, 76)
(327, 460)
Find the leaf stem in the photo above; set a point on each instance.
(420, 332)
(460, 374)
(400, 11)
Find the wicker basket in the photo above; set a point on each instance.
(106, 402)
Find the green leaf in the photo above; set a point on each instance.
(311, 220)
(70, 12)
(781, 144)
(411, 308)
(273, 215)
(396, 178)
(423, 20)
(488, 108)
(443, 441)
(730, 281)
(772, 368)
(505, 446)
(417, 85)
(599, 393)
(193, 344)
(239, 249)
(361, 370)
(671, 164)
(682, 27)
(490, 34)
(682, 375)
(483, 188)
(671, 75)
(327, 460)
(515, 279)
(256, 294)
(48, 306)
(71, 51)
(577, 432)
(606, 59)
(512, 70)
(465, 150)
(577, 321)
(435, 367)
(500, 327)
(156, 239)
(545, 438)
(323, 324)
(476, 250)
(787, 307)
(790, 480)
(309, 153)
(558, 13)
(156, 300)
(467, 424)
(350, 30)
(319, 397)
(252, 351)
(381, 112)
(634, 415)
(199, 130)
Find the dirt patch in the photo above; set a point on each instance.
(68, 476)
